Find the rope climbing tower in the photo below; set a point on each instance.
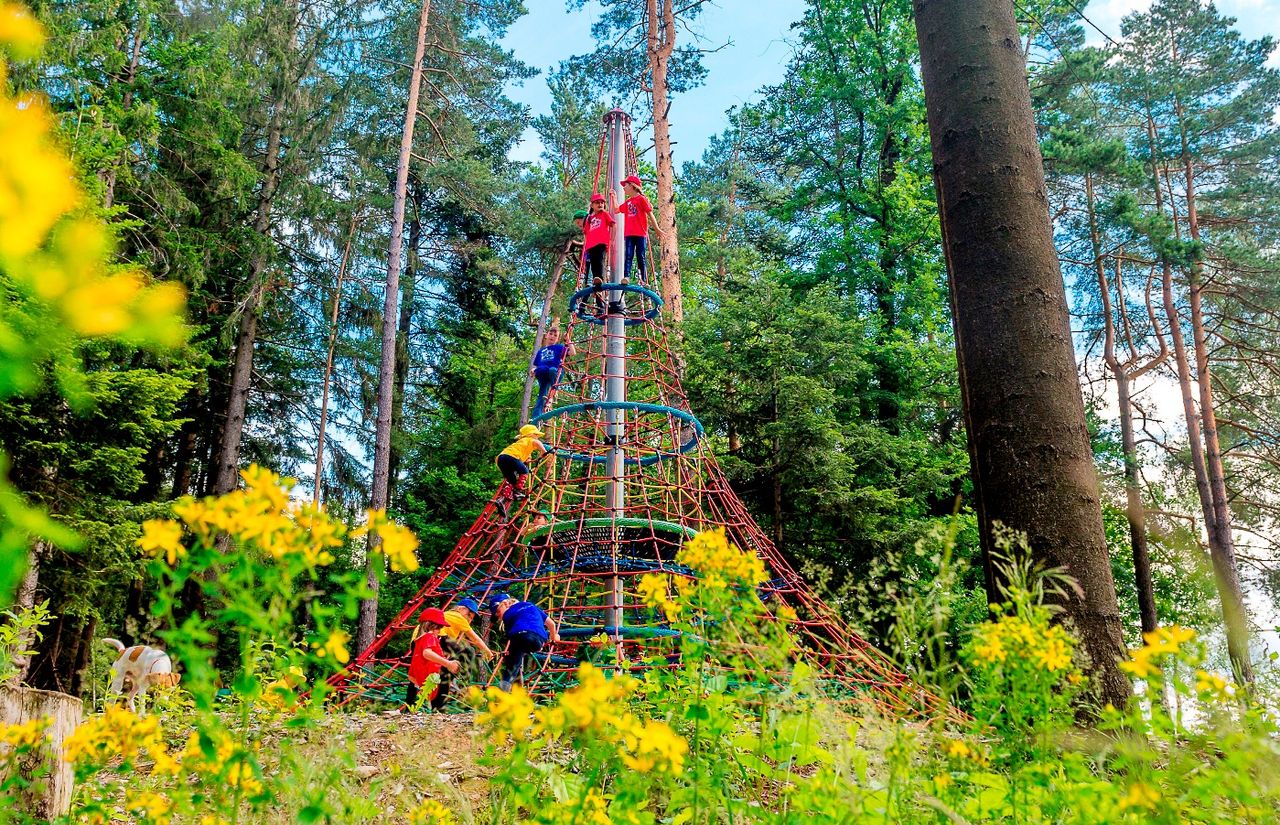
(628, 480)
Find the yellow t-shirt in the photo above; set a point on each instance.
(457, 626)
(524, 447)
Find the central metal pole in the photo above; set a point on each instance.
(617, 124)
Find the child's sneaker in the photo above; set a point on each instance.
(520, 495)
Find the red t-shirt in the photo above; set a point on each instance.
(636, 223)
(596, 229)
(419, 667)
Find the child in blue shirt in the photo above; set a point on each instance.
(528, 630)
(547, 362)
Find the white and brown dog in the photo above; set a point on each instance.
(140, 667)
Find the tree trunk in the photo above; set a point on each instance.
(328, 361)
(228, 465)
(227, 469)
(408, 287)
(368, 621)
(661, 45)
(1032, 463)
(52, 777)
(25, 599)
(1135, 513)
(548, 300)
(1234, 612)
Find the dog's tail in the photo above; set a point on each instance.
(116, 643)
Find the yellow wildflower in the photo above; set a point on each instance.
(958, 749)
(653, 590)
(991, 649)
(1140, 795)
(510, 712)
(719, 563)
(593, 809)
(162, 536)
(116, 732)
(26, 736)
(334, 646)
(655, 748)
(1055, 654)
(431, 812)
(398, 545)
(20, 33)
(151, 806)
(1210, 683)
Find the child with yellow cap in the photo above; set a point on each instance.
(513, 462)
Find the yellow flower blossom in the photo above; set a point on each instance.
(1210, 683)
(720, 564)
(1054, 655)
(153, 807)
(334, 646)
(20, 33)
(1140, 795)
(398, 545)
(653, 591)
(593, 810)
(25, 736)
(991, 650)
(37, 184)
(509, 712)
(162, 537)
(655, 748)
(117, 732)
(959, 749)
(431, 812)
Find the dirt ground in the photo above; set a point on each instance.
(406, 758)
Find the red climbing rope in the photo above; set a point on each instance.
(574, 550)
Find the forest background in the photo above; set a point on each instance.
(246, 151)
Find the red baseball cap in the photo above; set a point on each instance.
(635, 181)
(597, 197)
(434, 615)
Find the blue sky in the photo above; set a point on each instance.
(757, 30)
(758, 33)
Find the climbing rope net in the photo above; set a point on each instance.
(627, 480)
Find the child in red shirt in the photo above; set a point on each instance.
(597, 230)
(637, 214)
(428, 657)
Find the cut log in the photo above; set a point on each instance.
(52, 778)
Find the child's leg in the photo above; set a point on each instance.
(642, 257)
(512, 657)
(595, 255)
(442, 690)
(628, 249)
(511, 467)
(411, 694)
(546, 380)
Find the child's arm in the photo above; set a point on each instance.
(431, 656)
(569, 349)
(479, 643)
(552, 632)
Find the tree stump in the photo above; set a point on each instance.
(50, 795)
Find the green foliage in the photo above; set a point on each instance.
(18, 631)
(774, 750)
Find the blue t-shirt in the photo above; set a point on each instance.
(525, 617)
(549, 357)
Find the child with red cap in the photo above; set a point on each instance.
(637, 214)
(428, 657)
(597, 230)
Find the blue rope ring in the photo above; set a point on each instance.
(638, 406)
(578, 305)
